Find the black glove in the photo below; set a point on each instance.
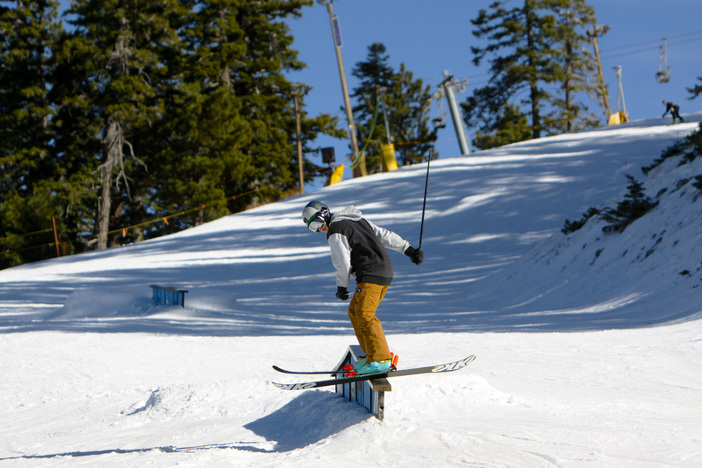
(342, 293)
(416, 255)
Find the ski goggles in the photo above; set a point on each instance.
(315, 223)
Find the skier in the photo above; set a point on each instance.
(358, 247)
(674, 110)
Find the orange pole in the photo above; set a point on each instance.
(58, 251)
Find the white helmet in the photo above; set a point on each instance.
(315, 214)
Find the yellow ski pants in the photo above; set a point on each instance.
(367, 326)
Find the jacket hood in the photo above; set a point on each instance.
(350, 213)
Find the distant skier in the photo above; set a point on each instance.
(358, 247)
(674, 110)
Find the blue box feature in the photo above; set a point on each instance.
(368, 393)
(164, 295)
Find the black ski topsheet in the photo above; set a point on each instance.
(448, 367)
(285, 371)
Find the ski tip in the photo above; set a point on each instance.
(454, 366)
(296, 386)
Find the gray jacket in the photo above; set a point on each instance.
(359, 247)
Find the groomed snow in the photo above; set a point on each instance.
(589, 345)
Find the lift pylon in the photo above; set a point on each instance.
(448, 88)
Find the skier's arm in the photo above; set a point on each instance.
(341, 258)
(389, 239)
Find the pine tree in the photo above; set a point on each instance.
(229, 126)
(520, 41)
(695, 90)
(154, 107)
(513, 126)
(406, 105)
(27, 31)
(532, 47)
(258, 79)
(578, 65)
(408, 116)
(376, 78)
(197, 143)
(76, 128)
(119, 45)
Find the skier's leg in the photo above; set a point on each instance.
(356, 325)
(372, 338)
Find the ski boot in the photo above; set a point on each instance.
(361, 367)
(375, 367)
(355, 366)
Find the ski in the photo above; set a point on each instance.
(285, 371)
(448, 367)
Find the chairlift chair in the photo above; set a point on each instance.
(439, 121)
(663, 69)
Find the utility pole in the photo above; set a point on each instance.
(299, 90)
(446, 88)
(600, 30)
(360, 166)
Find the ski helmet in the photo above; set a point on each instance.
(315, 214)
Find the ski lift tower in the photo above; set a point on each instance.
(619, 117)
(448, 87)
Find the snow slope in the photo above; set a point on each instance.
(589, 345)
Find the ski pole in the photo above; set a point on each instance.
(424, 206)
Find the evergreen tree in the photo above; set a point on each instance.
(145, 108)
(513, 126)
(197, 144)
(258, 79)
(119, 45)
(405, 101)
(76, 132)
(376, 78)
(578, 65)
(236, 56)
(695, 90)
(27, 34)
(520, 47)
(531, 47)
(408, 118)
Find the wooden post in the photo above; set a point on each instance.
(58, 251)
(299, 145)
(359, 169)
(594, 32)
